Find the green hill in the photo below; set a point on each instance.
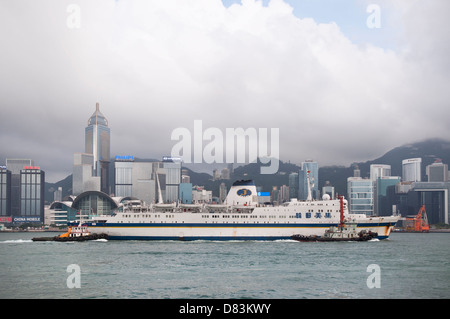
(429, 150)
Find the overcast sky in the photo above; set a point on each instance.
(338, 90)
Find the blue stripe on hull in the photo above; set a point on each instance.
(177, 225)
(212, 238)
(216, 238)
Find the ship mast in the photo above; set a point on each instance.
(309, 197)
(341, 198)
(160, 198)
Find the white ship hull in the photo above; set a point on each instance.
(239, 219)
(259, 225)
(222, 232)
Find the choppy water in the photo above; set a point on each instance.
(410, 266)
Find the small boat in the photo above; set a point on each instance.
(346, 232)
(342, 232)
(74, 233)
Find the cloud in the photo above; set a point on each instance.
(158, 65)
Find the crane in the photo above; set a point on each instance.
(418, 223)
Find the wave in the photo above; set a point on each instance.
(16, 241)
(103, 240)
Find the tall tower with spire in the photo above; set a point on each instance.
(97, 143)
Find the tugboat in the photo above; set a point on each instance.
(342, 232)
(347, 232)
(74, 233)
(79, 233)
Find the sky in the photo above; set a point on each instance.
(341, 81)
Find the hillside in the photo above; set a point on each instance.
(428, 150)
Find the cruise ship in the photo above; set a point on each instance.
(240, 217)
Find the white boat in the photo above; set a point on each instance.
(239, 218)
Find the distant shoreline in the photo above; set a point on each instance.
(34, 231)
(447, 231)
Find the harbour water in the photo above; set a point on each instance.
(407, 266)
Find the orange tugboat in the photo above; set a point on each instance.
(74, 233)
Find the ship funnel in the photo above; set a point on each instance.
(242, 193)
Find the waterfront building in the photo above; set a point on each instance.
(436, 197)
(384, 197)
(293, 185)
(91, 203)
(186, 193)
(360, 195)
(135, 179)
(274, 195)
(172, 170)
(283, 194)
(97, 143)
(437, 172)
(140, 179)
(411, 170)
(201, 195)
(26, 191)
(59, 213)
(83, 178)
(5, 194)
(379, 170)
(57, 195)
(84, 206)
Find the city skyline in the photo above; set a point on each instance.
(338, 90)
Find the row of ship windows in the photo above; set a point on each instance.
(212, 222)
(309, 210)
(297, 215)
(226, 215)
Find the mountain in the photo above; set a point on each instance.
(66, 185)
(429, 150)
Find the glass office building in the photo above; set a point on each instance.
(360, 195)
(173, 180)
(5, 192)
(412, 170)
(90, 204)
(140, 179)
(22, 187)
(385, 195)
(32, 181)
(124, 178)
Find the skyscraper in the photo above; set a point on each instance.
(379, 170)
(25, 186)
(5, 192)
(411, 170)
(83, 179)
(360, 195)
(97, 143)
(437, 172)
